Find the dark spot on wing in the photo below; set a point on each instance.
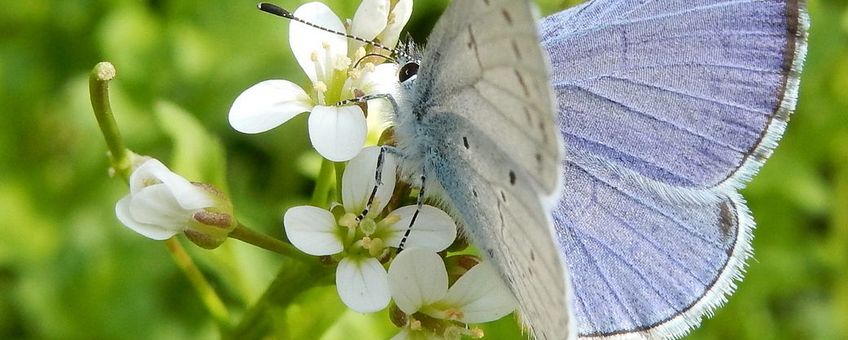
(727, 221)
(465, 142)
(542, 130)
(532, 255)
(512, 177)
(474, 192)
(516, 50)
(486, 2)
(507, 16)
(538, 157)
(522, 83)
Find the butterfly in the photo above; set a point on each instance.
(666, 109)
(595, 157)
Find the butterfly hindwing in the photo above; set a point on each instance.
(642, 263)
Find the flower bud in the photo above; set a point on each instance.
(161, 204)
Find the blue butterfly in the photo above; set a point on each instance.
(665, 109)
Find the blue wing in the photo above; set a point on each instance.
(642, 261)
(691, 93)
(666, 108)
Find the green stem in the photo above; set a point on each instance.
(339, 169)
(266, 242)
(292, 280)
(98, 86)
(204, 289)
(323, 185)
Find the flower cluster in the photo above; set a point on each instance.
(338, 70)
(360, 246)
(435, 295)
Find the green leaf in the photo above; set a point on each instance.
(198, 155)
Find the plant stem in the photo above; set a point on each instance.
(204, 289)
(120, 157)
(293, 279)
(266, 242)
(98, 86)
(323, 184)
(339, 169)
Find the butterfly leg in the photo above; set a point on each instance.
(362, 99)
(378, 181)
(418, 205)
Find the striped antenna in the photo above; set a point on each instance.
(280, 12)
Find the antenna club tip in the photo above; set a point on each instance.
(273, 9)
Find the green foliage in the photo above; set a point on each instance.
(69, 270)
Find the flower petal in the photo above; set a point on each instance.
(362, 284)
(383, 79)
(434, 229)
(122, 210)
(400, 16)
(417, 277)
(147, 174)
(358, 181)
(370, 19)
(337, 133)
(481, 295)
(188, 195)
(156, 205)
(306, 40)
(268, 104)
(313, 230)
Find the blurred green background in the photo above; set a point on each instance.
(69, 270)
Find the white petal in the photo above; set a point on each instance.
(147, 174)
(122, 210)
(434, 229)
(417, 277)
(401, 12)
(370, 19)
(362, 284)
(383, 79)
(337, 133)
(153, 172)
(157, 206)
(313, 230)
(481, 295)
(268, 104)
(358, 180)
(305, 40)
(188, 195)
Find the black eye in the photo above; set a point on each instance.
(407, 71)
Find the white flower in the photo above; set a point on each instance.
(162, 204)
(337, 133)
(360, 277)
(380, 20)
(418, 281)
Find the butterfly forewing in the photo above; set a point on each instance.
(492, 69)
